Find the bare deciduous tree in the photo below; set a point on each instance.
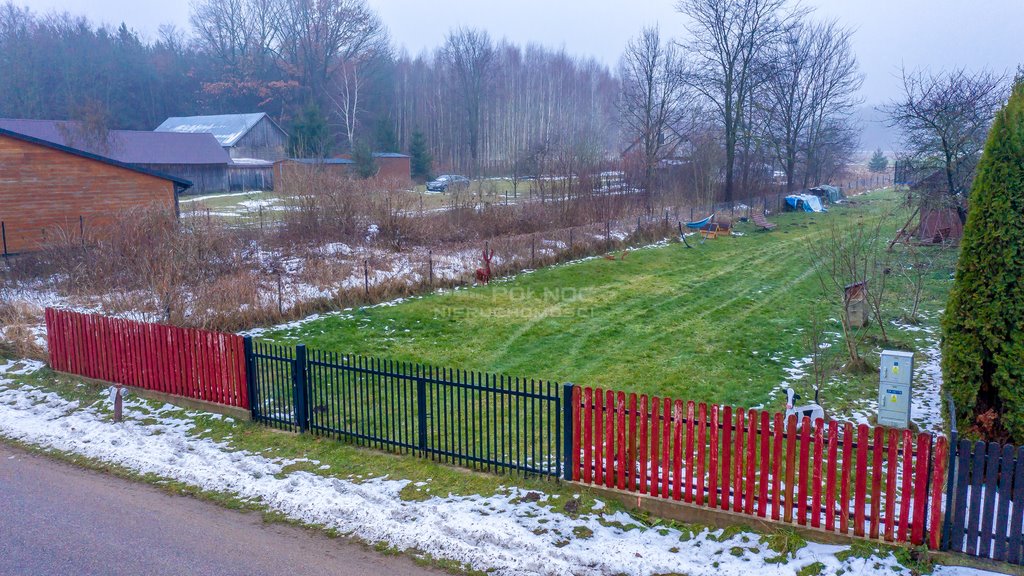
(319, 37)
(469, 55)
(809, 91)
(654, 99)
(729, 39)
(945, 118)
(845, 257)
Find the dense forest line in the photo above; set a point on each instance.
(776, 98)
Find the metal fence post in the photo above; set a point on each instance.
(421, 416)
(250, 377)
(567, 431)
(299, 384)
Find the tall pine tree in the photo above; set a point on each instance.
(983, 327)
(420, 157)
(310, 136)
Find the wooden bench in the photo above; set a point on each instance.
(761, 222)
(709, 231)
(724, 226)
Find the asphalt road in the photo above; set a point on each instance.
(58, 519)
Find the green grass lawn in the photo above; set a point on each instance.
(719, 323)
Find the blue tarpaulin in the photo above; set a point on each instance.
(806, 202)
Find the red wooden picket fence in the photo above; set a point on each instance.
(862, 481)
(185, 362)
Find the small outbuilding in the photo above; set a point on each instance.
(292, 174)
(50, 192)
(394, 168)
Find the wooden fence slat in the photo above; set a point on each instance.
(777, 440)
(223, 390)
(892, 465)
(243, 386)
(907, 487)
(645, 418)
(860, 480)
(174, 352)
(876, 481)
(831, 471)
(726, 456)
(91, 357)
(588, 434)
(688, 461)
(1006, 471)
(609, 439)
(989, 498)
(666, 446)
(939, 470)
(963, 468)
(133, 345)
(737, 479)
(713, 458)
(801, 484)
(1013, 554)
(923, 459)
(750, 492)
(819, 447)
(620, 440)
(677, 450)
(765, 473)
(977, 478)
(791, 434)
(631, 450)
(599, 447)
(844, 480)
(578, 412)
(655, 439)
(192, 361)
(702, 416)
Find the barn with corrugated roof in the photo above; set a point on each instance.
(253, 141)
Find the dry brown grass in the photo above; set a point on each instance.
(199, 271)
(17, 320)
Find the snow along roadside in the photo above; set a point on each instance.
(499, 533)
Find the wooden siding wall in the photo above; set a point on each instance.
(205, 178)
(44, 191)
(248, 178)
(264, 141)
(397, 170)
(295, 177)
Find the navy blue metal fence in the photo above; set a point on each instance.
(471, 419)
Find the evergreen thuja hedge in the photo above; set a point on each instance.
(983, 326)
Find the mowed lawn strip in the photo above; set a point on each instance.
(716, 323)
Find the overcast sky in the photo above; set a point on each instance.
(934, 33)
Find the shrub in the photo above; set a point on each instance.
(983, 343)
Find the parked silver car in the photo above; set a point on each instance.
(442, 183)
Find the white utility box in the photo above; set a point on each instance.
(894, 387)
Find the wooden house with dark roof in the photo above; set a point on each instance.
(198, 158)
(50, 192)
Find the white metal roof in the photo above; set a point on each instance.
(227, 128)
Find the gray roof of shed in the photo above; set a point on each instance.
(127, 146)
(227, 128)
(321, 160)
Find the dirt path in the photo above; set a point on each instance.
(59, 519)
